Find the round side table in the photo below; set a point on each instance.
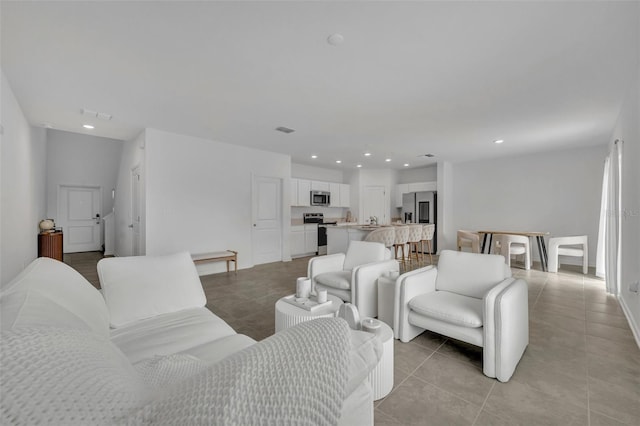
(288, 315)
(381, 377)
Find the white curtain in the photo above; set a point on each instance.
(608, 254)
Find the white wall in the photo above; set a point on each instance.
(22, 183)
(557, 192)
(198, 195)
(81, 160)
(628, 130)
(304, 171)
(133, 154)
(420, 174)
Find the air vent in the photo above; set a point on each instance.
(426, 155)
(284, 129)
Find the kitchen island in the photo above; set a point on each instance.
(338, 237)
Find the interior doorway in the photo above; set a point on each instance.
(267, 220)
(79, 215)
(136, 249)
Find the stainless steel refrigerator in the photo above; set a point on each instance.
(421, 207)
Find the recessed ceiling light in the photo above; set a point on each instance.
(335, 39)
(88, 126)
(498, 141)
(338, 161)
(388, 160)
(314, 156)
(406, 164)
(359, 165)
(367, 154)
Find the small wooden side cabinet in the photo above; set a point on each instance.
(50, 245)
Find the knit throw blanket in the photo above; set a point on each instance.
(58, 376)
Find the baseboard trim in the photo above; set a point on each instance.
(635, 328)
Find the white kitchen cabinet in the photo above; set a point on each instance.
(334, 189)
(405, 188)
(422, 186)
(345, 195)
(294, 193)
(304, 192)
(319, 186)
(401, 188)
(304, 239)
(311, 238)
(297, 240)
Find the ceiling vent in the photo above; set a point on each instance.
(426, 155)
(96, 114)
(285, 129)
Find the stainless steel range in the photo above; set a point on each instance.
(322, 229)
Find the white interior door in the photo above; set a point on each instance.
(135, 211)
(267, 220)
(79, 209)
(374, 203)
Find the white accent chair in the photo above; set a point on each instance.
(514, 245)
(353, 277)
(577, 246)
(468, 239)
(469, 297)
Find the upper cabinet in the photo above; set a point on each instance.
(301, 192)
(345, 195)
(340, 194)
(319, 186)
(405, 188)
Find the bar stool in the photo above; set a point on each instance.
(427, 235)
(401, 240)
(415, 235)
(385, 235)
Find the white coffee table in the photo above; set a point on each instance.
(381, 377)
(288, 315)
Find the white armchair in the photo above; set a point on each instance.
(353, 276)
(470, 297)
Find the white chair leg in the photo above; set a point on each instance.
(585, 260)
(553, 260)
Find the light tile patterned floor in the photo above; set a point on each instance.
(582, 366)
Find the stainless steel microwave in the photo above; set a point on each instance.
(320, 198)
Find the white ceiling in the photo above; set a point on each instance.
(410, 78)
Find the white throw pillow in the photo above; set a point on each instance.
(141, 287)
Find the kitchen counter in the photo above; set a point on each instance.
(338, 237)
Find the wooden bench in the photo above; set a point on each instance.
(217, 256)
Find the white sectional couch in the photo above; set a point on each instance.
(148, 351)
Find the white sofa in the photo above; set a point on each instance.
(148, 351)
(470, 297)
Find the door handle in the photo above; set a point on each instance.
(131, 226)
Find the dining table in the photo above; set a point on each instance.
(539, 237)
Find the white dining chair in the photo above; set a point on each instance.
(514, 245)
(568, 246)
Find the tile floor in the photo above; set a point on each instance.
(582, 365)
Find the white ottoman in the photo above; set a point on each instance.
(288, 315)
